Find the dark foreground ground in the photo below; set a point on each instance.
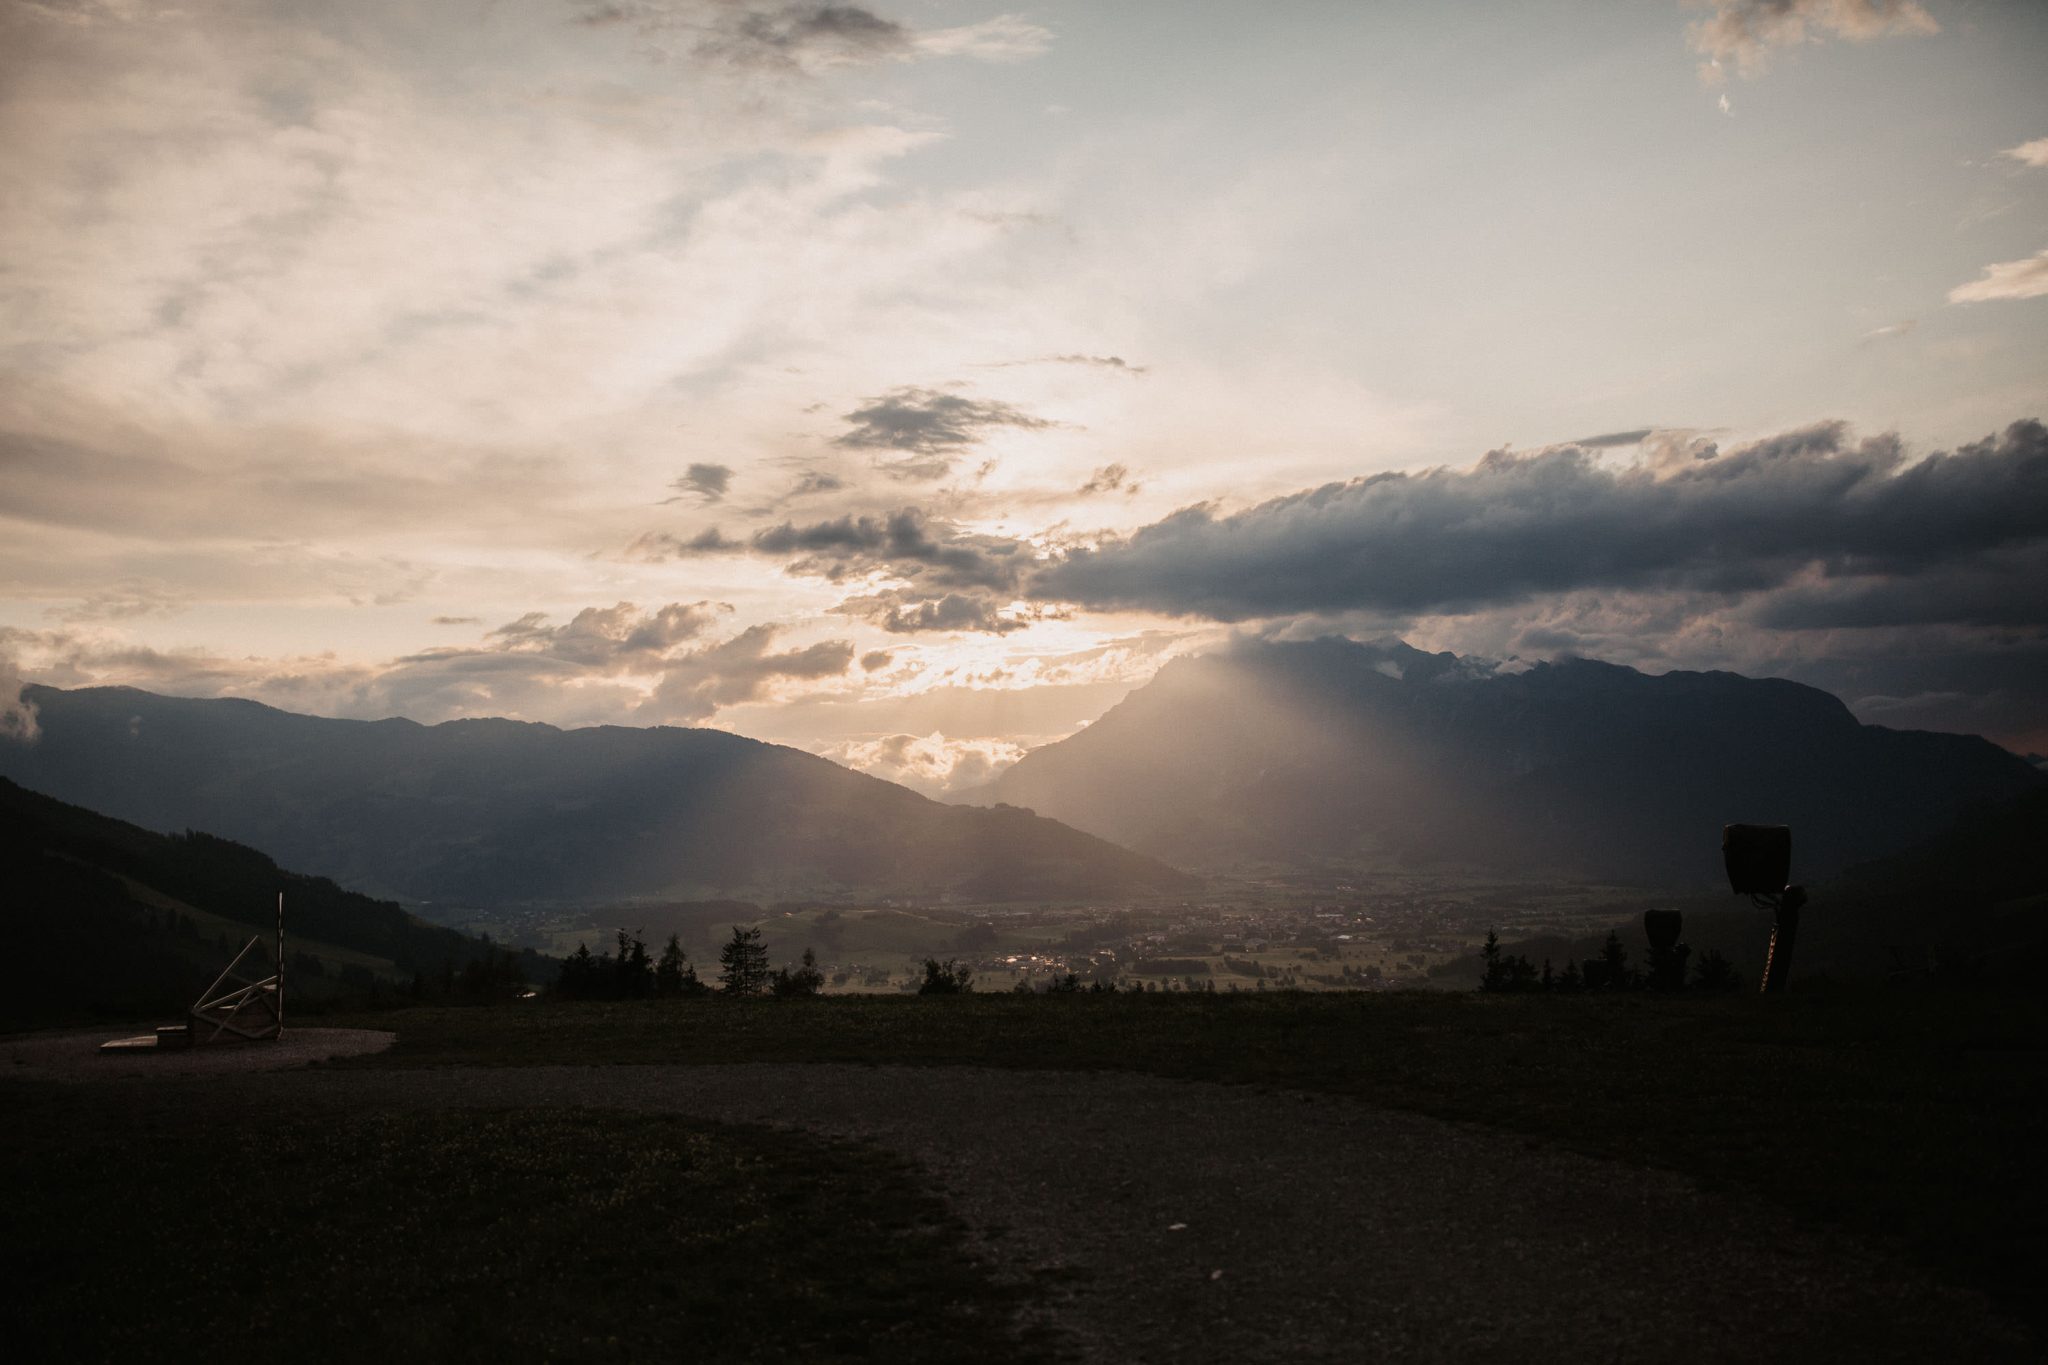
(1807, 1177)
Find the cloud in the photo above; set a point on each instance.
(2026, 279)
(812, 482)
(695, 686)
(928, 425)
(458, 620)
(1110, 362)
(1614, 438)
(1106, 362)
(905, 544)
(1005, 38)
(875, 659)
(1110, 478)
(704, 482)
(1745, 33)
(615, 639)
(655, 546)
(2033, 153)
(754, 36)
(17, 714)
(126, 602)
(1890, 329)
(605, 664)
(799, 38)
(904, 612)
(1516, 527)
(932, 764)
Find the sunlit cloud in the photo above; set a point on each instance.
(2033, 153)
(1746, 34)
(2022, 279)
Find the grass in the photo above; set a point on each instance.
(172, 1233)
(1919, 1119)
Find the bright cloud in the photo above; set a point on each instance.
(2023, 279)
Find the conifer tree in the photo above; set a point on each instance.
(804, 980)
(743, 963)
(668, 972)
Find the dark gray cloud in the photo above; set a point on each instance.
(1110, 362)
(1106, 362)
(812, 482)
(904, 612)
(458, 620)
(790, 36)
(906, 544)
(660, 545)
(929, 427)
(874, 659)
(750, 34)
(932, 555)
(1807, 505)
(704, 482)
(1111, 478)
(1613, 438)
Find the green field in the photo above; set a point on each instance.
(1914, 1119)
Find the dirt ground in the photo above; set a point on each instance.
(1174, 1219)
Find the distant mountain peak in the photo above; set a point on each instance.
(1331, 750)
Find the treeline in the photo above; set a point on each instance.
(631, 974)
(1611, 970)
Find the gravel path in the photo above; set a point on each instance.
(1192, 1222)
(75, 1055)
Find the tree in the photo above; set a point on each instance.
(1616, 958)
(674, 975)
(633, 972)
(1494, 978)
(578, 980)
(1713, 972)
(951, 977)
(805, 981)
(743, 963)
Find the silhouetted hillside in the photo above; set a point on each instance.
(1292, 753)
(498, 811)
(107, 918)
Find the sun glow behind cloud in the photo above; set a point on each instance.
(341, 342)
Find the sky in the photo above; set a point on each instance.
(908, 382)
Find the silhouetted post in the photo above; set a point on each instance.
(1667, 954)
(280, 964)
(1784, 933)
(1759, 861)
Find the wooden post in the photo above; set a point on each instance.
(280, 963)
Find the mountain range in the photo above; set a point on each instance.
(495, 812)
(1331, 751)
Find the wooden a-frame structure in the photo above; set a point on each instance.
(240, 1005)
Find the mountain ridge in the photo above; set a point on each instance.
(1333, 750)
(495, 811)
